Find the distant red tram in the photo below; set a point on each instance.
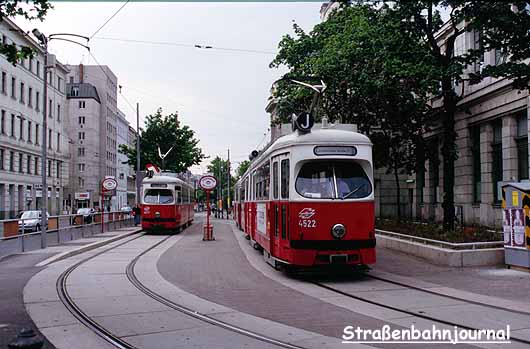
(167, 203)
(308, 199)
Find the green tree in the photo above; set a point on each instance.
(12, 8)
(165, 131)
(242, 168)
(497, 26)
(385, 99)
(219, 169)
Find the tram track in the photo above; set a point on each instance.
(413, 313)
(94, 326)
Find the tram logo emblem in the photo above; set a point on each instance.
(307, 213)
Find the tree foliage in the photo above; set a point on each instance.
(165, 131)
(242, 168)
(219, 169)
(384, 67)
(12, 8)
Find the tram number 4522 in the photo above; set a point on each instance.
(307, 223)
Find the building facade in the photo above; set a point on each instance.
(101, 149)
(84, 108)
(131, 178)
(123, 168)
(21, 132)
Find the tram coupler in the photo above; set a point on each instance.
(208, 233)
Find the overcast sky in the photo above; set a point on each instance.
(220, 94)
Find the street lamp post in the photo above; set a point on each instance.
(44, 44)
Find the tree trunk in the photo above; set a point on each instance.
(398, 193)
(449, 155)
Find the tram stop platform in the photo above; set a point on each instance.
(18, 268)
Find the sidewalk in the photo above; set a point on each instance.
(17, 269)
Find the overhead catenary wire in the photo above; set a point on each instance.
(109, 19)
(188, 45)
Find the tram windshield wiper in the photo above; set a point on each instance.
(352, 192)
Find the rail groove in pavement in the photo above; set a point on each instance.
(409, 312)
(116, 341)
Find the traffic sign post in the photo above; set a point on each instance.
(208, 183)
(108, 184)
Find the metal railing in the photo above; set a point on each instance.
(444, 244)
(21, 235)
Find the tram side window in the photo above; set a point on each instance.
(178, 193)
(262, 179)
(275, 180)
(285, 179)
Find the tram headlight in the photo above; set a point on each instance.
(157, 214)
(338, 231)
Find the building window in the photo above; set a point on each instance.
(3, 123)
(58, 113)
(81, 120)
(4, 82)
(58, 170)
(12, 161)
(49, 169)
(30, 64)
(22, 92)
(50, 108)
(81, 104)
(80, 151)
(75, 91)
(81, 182)
(81, 135)
(13, 87)
(37, 101)
(28, 169)
(12, 125)
(38, 68)
(58, 141)
(522, 146)
(36, 160)
(81, 167)
(59, 81)
(30, 97)
(49, 138)
(2, 159)
(37, 140)
(21, 128)
(477, 171)
(21, 163)
(496, 164)
(29, 131)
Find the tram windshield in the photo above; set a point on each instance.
(333, 180)
(158, 196)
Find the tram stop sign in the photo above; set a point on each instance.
(109, 184)
(207, 182)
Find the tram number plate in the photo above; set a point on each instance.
(307, 223)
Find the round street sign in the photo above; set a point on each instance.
(208, 182)
(109, 184)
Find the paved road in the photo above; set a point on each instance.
(15, 271)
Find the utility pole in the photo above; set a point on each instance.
(138, 180)
(228, 203)
(44, 191)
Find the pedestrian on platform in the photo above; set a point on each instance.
(137, 212)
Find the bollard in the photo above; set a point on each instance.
(26, 339)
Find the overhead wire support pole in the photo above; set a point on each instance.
(138, 154)
(228, 203)
(44, 40)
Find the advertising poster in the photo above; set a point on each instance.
(261, 218)
(518, 227)
(507, 228)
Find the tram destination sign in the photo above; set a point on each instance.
(335, 150)
(208, 182)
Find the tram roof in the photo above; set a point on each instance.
(163, 178)
(317, 136)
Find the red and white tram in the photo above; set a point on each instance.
(167, 203)
(308, 199)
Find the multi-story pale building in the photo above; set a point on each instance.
(123, 168)
(98, 148)
(84, 110)
(21, 119)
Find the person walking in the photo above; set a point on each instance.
(137, 213)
